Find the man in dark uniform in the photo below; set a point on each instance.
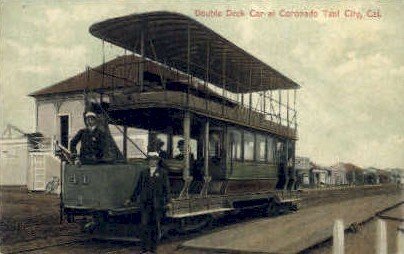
(92, 141)
(162, 154)
(153, 192)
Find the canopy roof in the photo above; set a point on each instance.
(166, 36)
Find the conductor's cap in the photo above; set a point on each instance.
(90, 114)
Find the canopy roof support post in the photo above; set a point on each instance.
(238, 93)
(250, 97)
(286, 164)
(206, 177)
(125, 142)
(264, 97)
(142, 59)
(207, 76)
(242, 94)
(294, 108)
(187, 132)
(186, 172)
(103, 70)
(188, 62)
(223, 80)
(280, 107)
(287, 108)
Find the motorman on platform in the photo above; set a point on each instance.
(92, 140)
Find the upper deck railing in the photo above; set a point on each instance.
(264, 109)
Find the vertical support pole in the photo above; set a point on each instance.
(125, 142)
(223, 79)
(187, 132)
(381, 237)
(250, 98)
(271, 111)
(280, 107)
(103, 71)
(186, 173)
(238, 93)
(207, 178)
(287, 108)
(206, 148)
(338, 237)
(264, 97)
(36, 116)
(294, 108)
(141, 65)
(207, 76)
(286, 163)
(188, 62)
(250, 106)
(242, 78)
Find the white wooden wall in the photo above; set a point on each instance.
(14, 161)
(49, 113)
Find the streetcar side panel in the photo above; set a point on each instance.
(100, 186)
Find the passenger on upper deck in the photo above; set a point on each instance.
(92, 141)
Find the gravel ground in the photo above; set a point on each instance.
(31, 220)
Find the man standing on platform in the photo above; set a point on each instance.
(153, 193)
(92, 141)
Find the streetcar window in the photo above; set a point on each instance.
(137, 136)
(214, 144)
(260, 147)
(248, 146)
(117, 136)
(164, 141)
(280, 152)
(134, 152)
(235, 144)
(271, 149)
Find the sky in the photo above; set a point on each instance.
(350, 68)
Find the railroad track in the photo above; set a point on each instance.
(81, 244)
(84, 242)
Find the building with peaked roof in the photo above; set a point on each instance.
(60, 107)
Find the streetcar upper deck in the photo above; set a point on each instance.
(197, 70)
(189, 46)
